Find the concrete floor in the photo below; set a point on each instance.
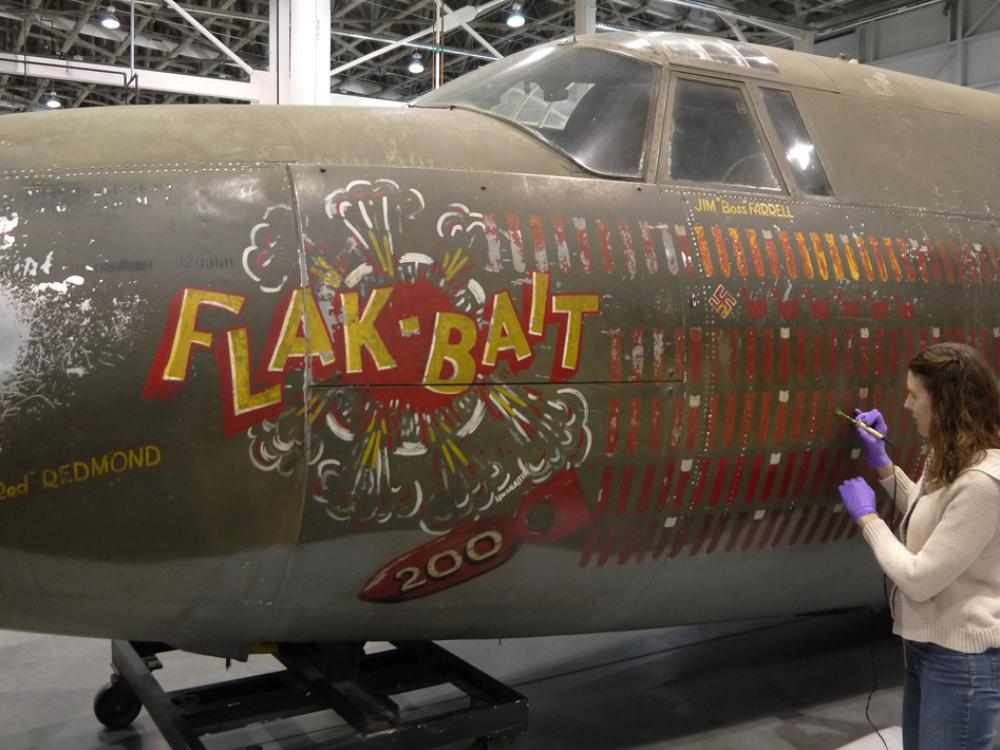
(771, 685)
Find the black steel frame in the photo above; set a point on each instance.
(339, 677)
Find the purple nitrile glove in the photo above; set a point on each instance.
(858, 497)
(874, 448)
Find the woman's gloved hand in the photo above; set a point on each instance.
(858, 497)
(874, 448)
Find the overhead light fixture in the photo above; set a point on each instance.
(516, 18)
(416, 65)
(52, 100)
(109, 20)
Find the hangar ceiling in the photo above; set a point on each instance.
(70, 33)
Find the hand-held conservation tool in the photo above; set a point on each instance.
(857, 422)
(873, 438)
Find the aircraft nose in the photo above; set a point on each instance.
(10, 339)
(15, 578)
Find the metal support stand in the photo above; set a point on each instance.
(324, 676)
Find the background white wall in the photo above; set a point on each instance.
(958, 42)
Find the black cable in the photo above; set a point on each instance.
(871, 644)
(871, 651)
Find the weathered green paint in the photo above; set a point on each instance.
(220, 540)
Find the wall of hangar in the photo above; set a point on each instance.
(956, 42)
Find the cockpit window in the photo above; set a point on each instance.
(799, 148)
(715, 138)
(591, 104)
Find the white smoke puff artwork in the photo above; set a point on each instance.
(538, 439)
(390, 451)
(277, 445)
(271, 259)
(373, 210)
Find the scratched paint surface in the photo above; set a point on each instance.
(819, 319)
(445, 349)
(767, 368)
(408, 427)
(477, 377)
(506, 413)
(457, 388)
(93, 478)
(54, 328)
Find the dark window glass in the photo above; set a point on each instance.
(796, 143)
(591, 104)
(715, 138)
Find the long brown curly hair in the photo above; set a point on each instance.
(965, 408)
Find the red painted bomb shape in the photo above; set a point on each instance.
(552, 511)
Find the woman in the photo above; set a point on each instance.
(946, 601)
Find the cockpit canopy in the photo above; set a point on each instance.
(592, 104)
(593, 100)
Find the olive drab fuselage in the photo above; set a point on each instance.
(417, 373)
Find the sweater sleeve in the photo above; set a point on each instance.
(966, 527)
(902, 484)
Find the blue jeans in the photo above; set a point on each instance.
(951, 700)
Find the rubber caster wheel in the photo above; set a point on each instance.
(116, 705)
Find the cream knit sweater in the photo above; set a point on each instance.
(947, 567)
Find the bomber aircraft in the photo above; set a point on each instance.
(556, 349)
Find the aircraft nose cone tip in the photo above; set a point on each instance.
(10, 337)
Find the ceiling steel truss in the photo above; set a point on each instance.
(231, 38)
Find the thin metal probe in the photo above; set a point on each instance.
(859, 424)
